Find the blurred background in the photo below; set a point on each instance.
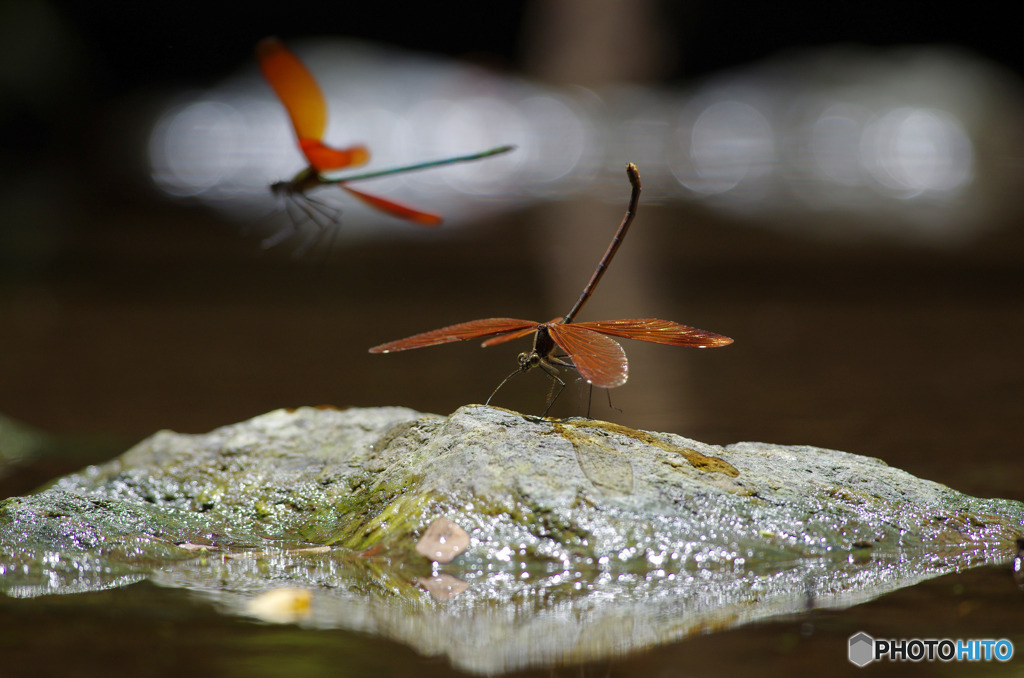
(833, 186)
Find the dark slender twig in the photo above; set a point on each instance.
(634, 200)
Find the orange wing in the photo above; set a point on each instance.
(515, 335)
(658, 332)
(324, 158)
(295, 87)
(474, 329)
(599, 359)
(306, 106)
(494, 341)
(396, 209)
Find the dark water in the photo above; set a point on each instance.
(135, 319)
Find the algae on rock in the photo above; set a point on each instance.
(580, 530)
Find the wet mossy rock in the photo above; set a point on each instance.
(581, 531)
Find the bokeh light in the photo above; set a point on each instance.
(832, 130)
(728, 142)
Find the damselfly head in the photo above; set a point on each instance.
(527, 361)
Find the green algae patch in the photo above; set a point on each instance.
(399, 519)
(578, 530)
(697, 460)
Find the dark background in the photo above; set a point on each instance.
(124, 312)
(137, 45)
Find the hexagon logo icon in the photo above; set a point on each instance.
(862, 649)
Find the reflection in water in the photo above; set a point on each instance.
(285, 605)
(827, 130)
(1018, 564)
(442, 586)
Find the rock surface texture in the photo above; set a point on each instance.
(585, 538)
